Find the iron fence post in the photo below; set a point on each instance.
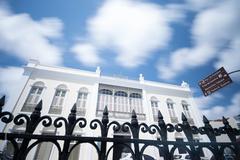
(135, 134)
(104, 133)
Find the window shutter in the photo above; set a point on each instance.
(55, 100)
(36, 99)
(61, 101)
(29, 99)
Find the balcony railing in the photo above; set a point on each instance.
(174, 119)
(155, 118)
(190, 121)
(28, 107)
(55, 110)
(81, 111)
(122, 115)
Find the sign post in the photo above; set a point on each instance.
(215, 81)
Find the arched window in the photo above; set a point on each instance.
(171, 111)
(58, 99)
(33, 97)
(154, 105)
(121, 94)
(105, 91)
(135, 101)
(81, 101)
(105, 98)
(186, 109)
(135, 95)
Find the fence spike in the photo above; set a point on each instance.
(225, 121)
(72, 114)
(160, 115)
(74, 108)
(105, 111)
(39, 106)
(161, 122)
(37, 111)
(2, 102)
(205, 120)
(184, 119)
(134, 114)
(134, 120)
(105, 119)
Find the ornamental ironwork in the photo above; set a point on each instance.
(135, 145)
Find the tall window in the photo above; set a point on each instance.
(58, 99)
(33, 97)
(171, 111)
(135, 101)
(81, 101)
(121, 103)
(154, 105)
(185, 109)
(105, 99)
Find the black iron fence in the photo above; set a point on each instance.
(135, 145)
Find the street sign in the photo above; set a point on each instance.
(215, 81)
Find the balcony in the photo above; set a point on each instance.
(55, 110)
(81, 111)
(155, 118)
(28, 107)
(190, 121)
(122, 115)
(174, 119)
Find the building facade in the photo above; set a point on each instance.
(60, 88)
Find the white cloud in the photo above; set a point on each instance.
(10, 84)
(206, 102)
(86, 54)
(213, 29)
(131, 29)
(229, 58)
(25, 38)
(228, 111)
(183, 59)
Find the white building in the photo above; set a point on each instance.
(237, 118)
(60, 88)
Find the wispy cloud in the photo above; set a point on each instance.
(86, 54)
(217, 112)
(213, 29)
(207, 102)
(25, 38)
(133, 30)
(197, 5)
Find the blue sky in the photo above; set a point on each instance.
(167, 41)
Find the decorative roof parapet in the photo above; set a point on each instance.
(184, 84)
(141, 78)
(98, 70)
